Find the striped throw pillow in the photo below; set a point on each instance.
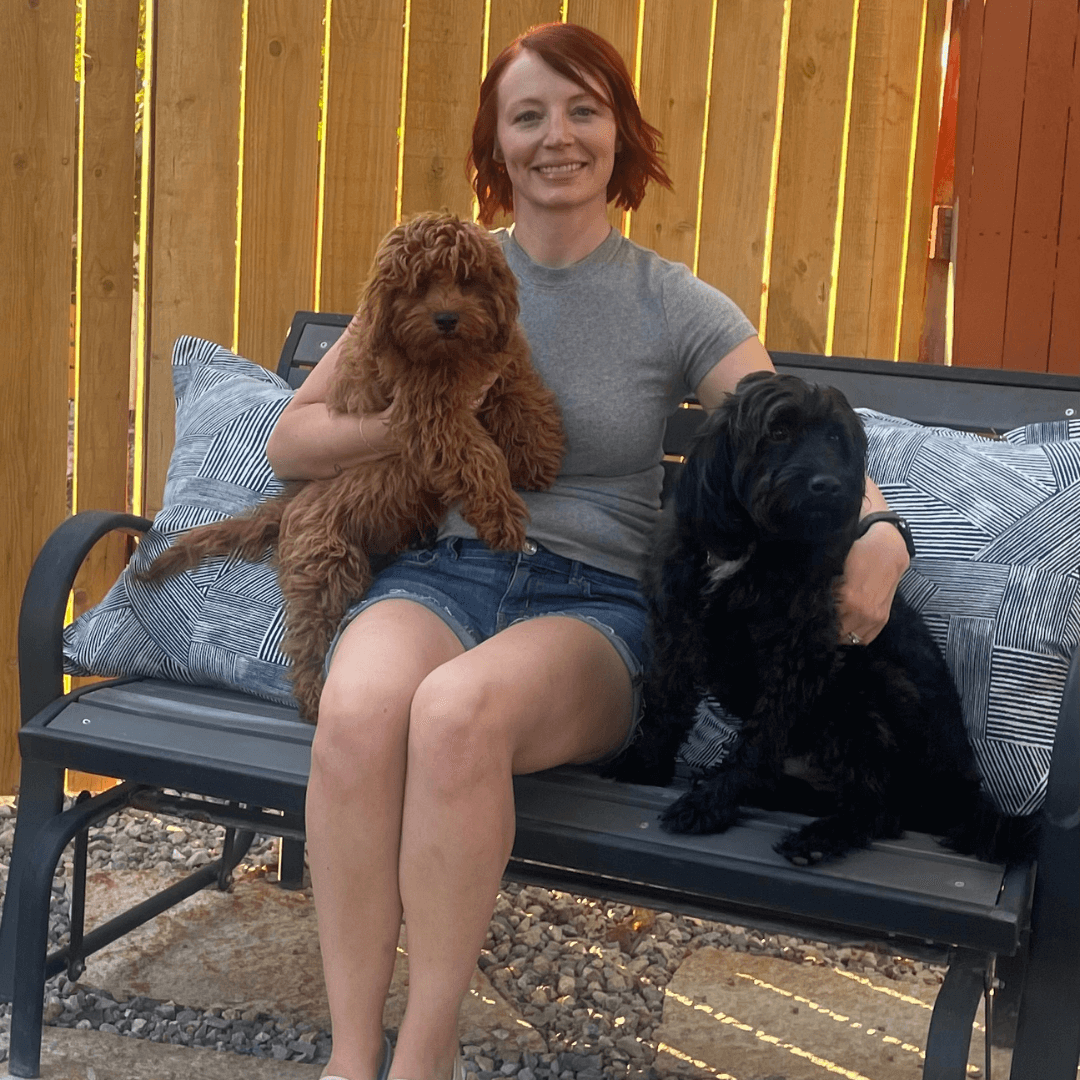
(221, 623)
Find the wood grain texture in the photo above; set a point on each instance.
(363, 109)
(37, 152)
(808, 181)
(1039, 186)
(873, 233)
(279, 201)
(617, 21)
(196, 122)
(443, 86)
(986, 219)
(1064, 357)
(738, 161)
(105, 282)
(509, 18)
(674, 86)
(917, 278)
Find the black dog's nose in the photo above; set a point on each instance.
(824, 484)
(445, 321)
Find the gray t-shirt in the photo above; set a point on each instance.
(622, 337)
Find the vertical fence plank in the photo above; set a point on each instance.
(37, 150)
(743, 121)
(106, 278)
(509, 18)
(617, 21)
(979, 323)
(920, 277)
(360, 132)
(279, 198)
(1039, 191)
(873, 232)
(444, 76)
(196, 122)
(808, 179)
(1065, 326)
(674, 85)
(105, 283)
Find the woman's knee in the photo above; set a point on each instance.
(460, 727)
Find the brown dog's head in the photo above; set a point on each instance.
(440, 295)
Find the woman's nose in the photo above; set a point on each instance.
(558, 129)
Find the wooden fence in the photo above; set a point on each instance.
(1017, 187)
(276, 142)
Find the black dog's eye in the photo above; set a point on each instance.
(778, 433)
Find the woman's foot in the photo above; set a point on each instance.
(383, 1071)
(457, 1074)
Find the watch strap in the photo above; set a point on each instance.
(892, 518)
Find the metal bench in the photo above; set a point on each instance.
(243, 763)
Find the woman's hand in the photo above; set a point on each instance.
(872, 571)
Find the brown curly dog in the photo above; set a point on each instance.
(437, 318)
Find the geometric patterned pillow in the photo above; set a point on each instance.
(997, 577)
(219, 624)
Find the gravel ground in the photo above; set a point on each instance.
(589, 976)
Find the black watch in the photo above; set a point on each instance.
(893, 519)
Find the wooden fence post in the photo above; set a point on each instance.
(37, 149)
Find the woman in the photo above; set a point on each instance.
(440, 687)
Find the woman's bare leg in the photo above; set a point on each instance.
(354, 805)
(542, 693)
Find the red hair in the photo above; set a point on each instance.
(587, 59)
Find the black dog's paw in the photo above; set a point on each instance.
(699, 811)
(819, 841)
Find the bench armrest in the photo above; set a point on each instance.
(45, 598)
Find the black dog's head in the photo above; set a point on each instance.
(779, 461)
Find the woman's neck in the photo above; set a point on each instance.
(558, 240)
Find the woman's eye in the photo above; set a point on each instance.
(525, 117)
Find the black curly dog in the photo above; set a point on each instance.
(740, 587)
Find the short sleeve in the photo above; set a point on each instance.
(704, 324)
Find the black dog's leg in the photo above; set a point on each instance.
(865, 765)
(712, 804)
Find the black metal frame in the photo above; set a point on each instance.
(1024, 947)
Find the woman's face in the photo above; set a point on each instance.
(557, 140)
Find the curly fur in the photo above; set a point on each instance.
(437, 318)
(740, 588)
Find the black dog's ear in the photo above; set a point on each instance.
(706, 502)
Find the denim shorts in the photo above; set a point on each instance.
(477, 592)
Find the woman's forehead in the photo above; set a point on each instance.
(530, 76)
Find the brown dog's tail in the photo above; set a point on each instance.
(248, 535)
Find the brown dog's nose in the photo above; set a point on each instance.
(446, 321)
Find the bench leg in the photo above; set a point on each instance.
(41, 798)
(1047, 1031)
(37, 866)
(290, 863)
(951, 1022)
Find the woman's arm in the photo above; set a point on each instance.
(310, 442)
(877, 560)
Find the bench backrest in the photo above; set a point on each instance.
(975, 399)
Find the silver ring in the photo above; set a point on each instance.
(854, 639)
